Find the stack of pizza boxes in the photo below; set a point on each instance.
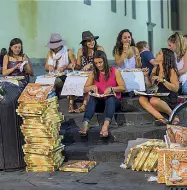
(144, 157)
(41, 126)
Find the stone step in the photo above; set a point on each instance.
(133, 114)
(70, 131)
(120, 118)
(109, 149)
(131, 104)
(128, 104)
(124, 134)
(140, 118)
(101, 153)
(77, 151)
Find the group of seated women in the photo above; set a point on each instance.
(168, 72)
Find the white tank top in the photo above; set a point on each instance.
(129, 63)
(183, 77)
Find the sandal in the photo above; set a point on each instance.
(84, 129)
(176, 120)
(161, 122)
(104, 133)
(71, 108)
(81, 109)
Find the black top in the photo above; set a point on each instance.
(86, 61)
(171, 100)
(146, 56)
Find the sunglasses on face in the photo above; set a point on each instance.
(56, 49)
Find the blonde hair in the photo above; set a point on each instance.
(180, 43)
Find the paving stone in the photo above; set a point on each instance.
(105, 176)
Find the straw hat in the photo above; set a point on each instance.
(55, 41)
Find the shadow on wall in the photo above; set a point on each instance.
(28, 14)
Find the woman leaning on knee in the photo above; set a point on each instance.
(59, 59)
(125, 53)
(177, 43)
(103, 80)
(85, 63)
(165, 76)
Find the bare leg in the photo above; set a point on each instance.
(160, 105)
(111, 105)
(82, 108)
(71, 104)
(144, 102)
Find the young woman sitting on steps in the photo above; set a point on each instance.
(125, 53)
(103, 80)
(165, 76)
(85, 63)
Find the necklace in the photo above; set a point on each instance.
(16, 57)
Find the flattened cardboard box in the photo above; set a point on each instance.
(78, 166)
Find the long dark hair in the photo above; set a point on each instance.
(14, 42)
(102, 55)
(119, 46)
(169, 62)
(85, 48)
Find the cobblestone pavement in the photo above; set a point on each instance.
(107, 176)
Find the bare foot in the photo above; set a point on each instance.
(176, 120)
(104, 131)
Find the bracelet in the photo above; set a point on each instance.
(111, 90)
(164, 80)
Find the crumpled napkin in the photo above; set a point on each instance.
(22, 65)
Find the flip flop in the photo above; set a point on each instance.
(161, 122)
(71, 108)
(81, 109)
(104, 133)
(84, 129)
(176, 122)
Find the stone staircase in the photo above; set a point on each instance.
(127, 125)
(130, 124)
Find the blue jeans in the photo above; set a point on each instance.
(184, 88)
(109, 105)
